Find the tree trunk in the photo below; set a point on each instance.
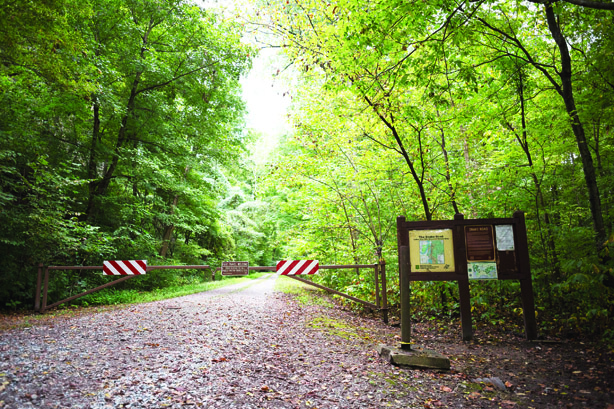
(566, 92)
(447, 175)
(410, 163)
(168, 230)
(99, 187)
(91, 164)
(540, 200)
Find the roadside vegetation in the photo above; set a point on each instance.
(114, 296)
(429, 109)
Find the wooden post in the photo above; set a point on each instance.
(45, 289)
(526, 284)
(37, 289)
(382, 271)
(405, 294)
(528, 308)
(465, 309)
(376, 273)
(462, 281)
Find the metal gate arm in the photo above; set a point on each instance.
(330, 290)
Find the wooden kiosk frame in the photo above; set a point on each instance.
(462, 242)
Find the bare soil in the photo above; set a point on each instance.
(248, 346)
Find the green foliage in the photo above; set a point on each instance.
(426, 109)
(119, 123)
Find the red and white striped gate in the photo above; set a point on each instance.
(297, 267)
(124, 267)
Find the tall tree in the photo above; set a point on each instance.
(117, 120)
(564, 86)
(163, 56)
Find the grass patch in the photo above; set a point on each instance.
(334, 327)
(290, 286)
(112, 296)
(305, 294)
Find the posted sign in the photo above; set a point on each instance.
(480, 243)
(482, 271)
(431, 250)
(235, 268)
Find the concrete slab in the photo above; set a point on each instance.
(416, 357)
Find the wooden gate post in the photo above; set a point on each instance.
(45, 289)
(463, 281)
(526, 284)
(37, 289)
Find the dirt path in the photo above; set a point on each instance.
(247, 346)
(243, 346)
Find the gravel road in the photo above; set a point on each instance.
(243, 346)
(249, 346)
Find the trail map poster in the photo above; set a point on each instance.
(482, 271)
(431, 250)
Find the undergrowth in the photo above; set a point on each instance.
(114, 296)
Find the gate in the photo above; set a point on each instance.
(379, 273)
(39, 281)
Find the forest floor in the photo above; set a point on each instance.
(249, 346)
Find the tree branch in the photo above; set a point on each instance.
(529, 57)
(162, 84)
(582, 3)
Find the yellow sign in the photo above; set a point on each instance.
(431, 250)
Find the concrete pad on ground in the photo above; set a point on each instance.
(416, 357)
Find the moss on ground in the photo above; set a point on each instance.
(335, 327)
